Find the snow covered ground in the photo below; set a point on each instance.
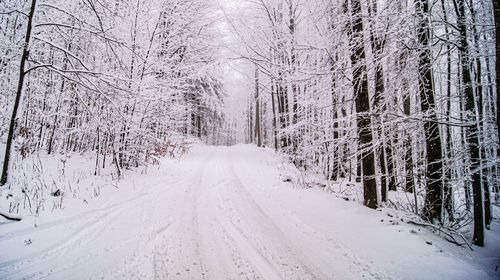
(224, 213)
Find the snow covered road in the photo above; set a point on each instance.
(223, 213)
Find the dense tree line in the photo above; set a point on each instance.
(399, 95)
(124, 79)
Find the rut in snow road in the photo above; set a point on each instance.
(221, 213)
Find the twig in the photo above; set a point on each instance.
(448, 235)
(10, 218)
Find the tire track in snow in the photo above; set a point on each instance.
(71, 219)
(88, 227)
(206, 221)
(252, 224)
(331, 249)
(151, 250)
(173, 238)
(232, 260)
(82, 236)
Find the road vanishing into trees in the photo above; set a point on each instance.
(224, 213)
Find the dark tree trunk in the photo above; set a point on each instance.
(257, 110)
(496, 11)
(273, 105)
(434, 198)
(22, 74)
(379, 108)
(362, 103)
(391, 176)
(334, 172)
(250, 122)
(409, 182)
(481, 121)
(472, 130)
(198, 124)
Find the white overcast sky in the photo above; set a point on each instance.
(236, 71)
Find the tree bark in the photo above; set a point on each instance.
(434, 198)
(379, 107)
(496, 12)
(362, 103)
(334, 172)
(447, 192)
(472, 139)
(258, 135)
(273, 105)
(481, 121)
(22, 74)
(408, 155)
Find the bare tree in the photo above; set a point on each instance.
(433, 198)
(472, 127)
(362, 101)
(19, 91)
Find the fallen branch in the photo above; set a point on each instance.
(448, 233)
(10, 218)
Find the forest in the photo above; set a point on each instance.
(397, 95)
(393, 104)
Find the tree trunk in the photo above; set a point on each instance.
(496, 12)
(258, 129)
(379, 108)
(273, 105)
(22, 74)
(434, 198)
(408, 155)
(447, 191)
(362, 103)
(472, 130)
(481, 121)
(334, 157)
(250, 122)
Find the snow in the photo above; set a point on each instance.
(224, 213)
